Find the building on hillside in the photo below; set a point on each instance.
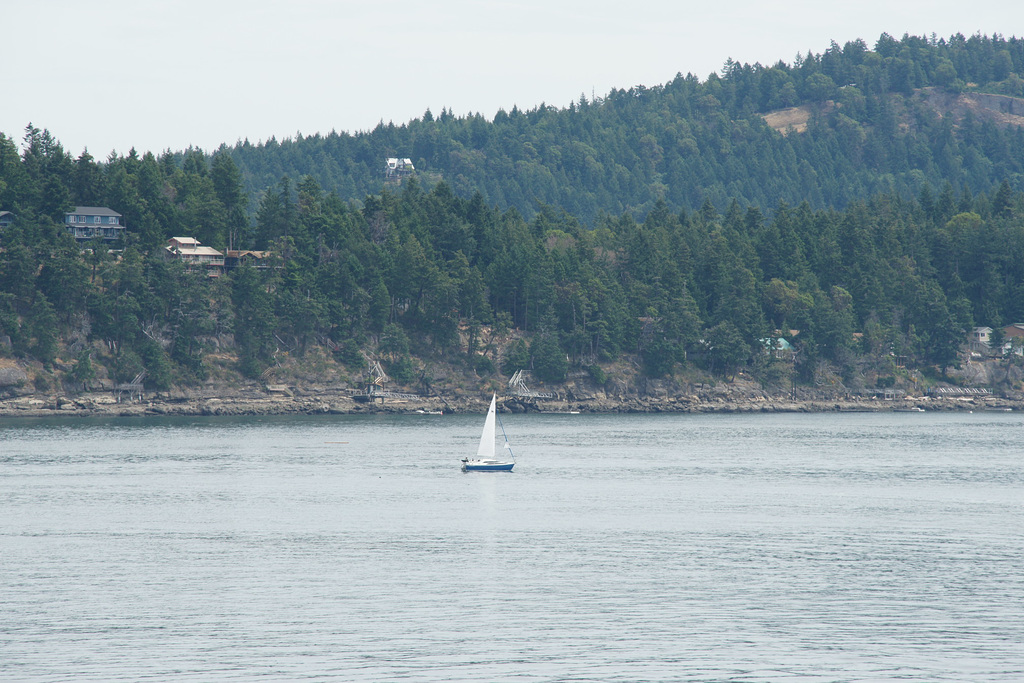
(190, 251)
(233, 258)
(778, 347)
(88, 222)
(980, 341)
(1014, 331)
(1014, 339)
(397, 169)
(6, 218)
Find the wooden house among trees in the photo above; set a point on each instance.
(6, 218)
(1013, 339)
(1014, 331)
(88, 222)
(190, 251)
(233, 258)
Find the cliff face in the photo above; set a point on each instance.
(12, 376)
(1003, 110)
(985, 385)
(991, 373)
(316, 382)
(999, 109)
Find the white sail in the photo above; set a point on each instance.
(486, 450)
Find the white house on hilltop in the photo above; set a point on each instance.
(396, 169)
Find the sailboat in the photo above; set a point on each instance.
(485, 460)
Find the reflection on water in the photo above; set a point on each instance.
(672, 548)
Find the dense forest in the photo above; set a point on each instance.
(877, 129)
(669, 227)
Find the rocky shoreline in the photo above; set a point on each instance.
(319, 402)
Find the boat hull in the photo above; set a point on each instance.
(470, 466)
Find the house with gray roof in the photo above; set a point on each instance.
(88, 222)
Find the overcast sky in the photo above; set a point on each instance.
(108, 75)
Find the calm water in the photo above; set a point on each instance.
(622, 548)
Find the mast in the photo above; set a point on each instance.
(508, 446)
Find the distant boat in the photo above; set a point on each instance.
(485, 460)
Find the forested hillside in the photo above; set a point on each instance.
(883, 241)
(876, 129)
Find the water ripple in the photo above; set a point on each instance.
(640, 548)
